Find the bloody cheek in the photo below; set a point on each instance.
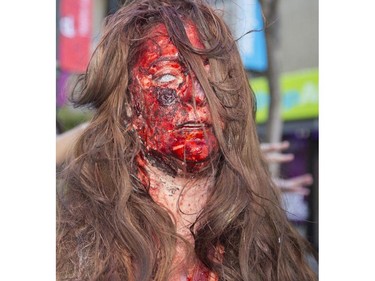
(163, 130)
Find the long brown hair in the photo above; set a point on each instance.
(109, 228)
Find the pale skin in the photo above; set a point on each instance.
(184, 198)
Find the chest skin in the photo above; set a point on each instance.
(184, 199)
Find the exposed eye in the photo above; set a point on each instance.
(166, 78)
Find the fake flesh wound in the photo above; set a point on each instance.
(173, 116)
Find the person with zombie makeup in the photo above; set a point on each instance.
(167, 182)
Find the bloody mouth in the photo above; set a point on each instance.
(193, 125)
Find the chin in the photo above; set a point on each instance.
(201, 163)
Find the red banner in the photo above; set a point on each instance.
(75, 29)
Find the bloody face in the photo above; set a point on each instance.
(164, 92)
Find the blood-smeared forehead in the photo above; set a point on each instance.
(160, 45)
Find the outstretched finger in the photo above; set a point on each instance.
(303, 180)
(274, 147)
(278, 157)
(296, 184)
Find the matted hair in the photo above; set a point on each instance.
(109, 228)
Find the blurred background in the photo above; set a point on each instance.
(280, 56)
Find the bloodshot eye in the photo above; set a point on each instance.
(166, 96)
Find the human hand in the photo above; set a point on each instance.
(295, 184)
(272, 152)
